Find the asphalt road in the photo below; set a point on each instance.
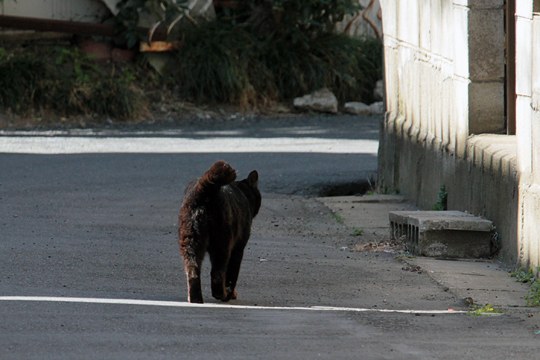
(89, 263)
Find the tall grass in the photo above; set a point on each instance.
(220, 63)
(19, 80)
(210, 65)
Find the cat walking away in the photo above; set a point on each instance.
(216, 217)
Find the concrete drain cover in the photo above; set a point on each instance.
(447, 234)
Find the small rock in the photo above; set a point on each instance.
(357, 108)
(469, 301)
(321, 101)
(377, 108)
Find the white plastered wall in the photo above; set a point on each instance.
(444, 62)
(528, 131)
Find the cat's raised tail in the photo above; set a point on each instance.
(219, 174)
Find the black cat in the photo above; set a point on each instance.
(215, 217)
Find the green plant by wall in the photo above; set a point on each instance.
(529, 277)
(523, 275)
(533, 296)
(442, 199)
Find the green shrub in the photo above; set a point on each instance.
(224, 63)
(276, 50)
(533, 296)
(212, 66)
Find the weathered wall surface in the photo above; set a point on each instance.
(528, 130)
(445, 85)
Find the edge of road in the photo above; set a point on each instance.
(476, 282)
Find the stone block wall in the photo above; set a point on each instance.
(445, 67)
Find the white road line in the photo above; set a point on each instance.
(85, 145)
(218, 306)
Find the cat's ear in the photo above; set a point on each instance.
(253, 178)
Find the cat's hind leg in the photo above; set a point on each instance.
(219, 259)
(193, 274)
(232, 272)
(193, 254)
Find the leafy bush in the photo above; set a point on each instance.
(264, 50)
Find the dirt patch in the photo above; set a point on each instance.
(391, 247)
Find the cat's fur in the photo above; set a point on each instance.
(215, 217)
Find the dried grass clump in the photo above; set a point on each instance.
(220, 63)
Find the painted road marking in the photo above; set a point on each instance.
(180, 304)
(84, 145)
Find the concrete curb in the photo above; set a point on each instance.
(478, 282)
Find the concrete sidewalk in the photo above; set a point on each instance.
(477, 282)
